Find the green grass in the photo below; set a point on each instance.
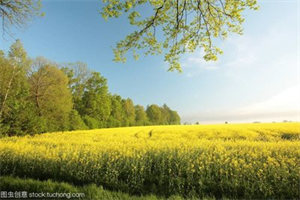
(9, 183)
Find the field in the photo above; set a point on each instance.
(196, 161)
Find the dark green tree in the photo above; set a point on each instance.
(117, 114)
(50, 93)
(165, 114)
(78, 75)
(75, 121)
(17, 116)
(96, 100)
(91, 122)
(140, 116)
(42, 96)
(129, 111)
(154, 114)
(174, 118)
(12, 68)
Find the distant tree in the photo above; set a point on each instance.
(129, 111)
(78, 75)
(96, 100)
(154, 114)
(51, 95)
(17, 13)
(174, 118)
(197, 123)
(176, 27)
(165, 114)
(39, 95)
(140, 116)
(117, 114)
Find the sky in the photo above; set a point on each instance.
(256, 79)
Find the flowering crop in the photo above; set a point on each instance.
(230, 160)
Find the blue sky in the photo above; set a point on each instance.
(256, 79)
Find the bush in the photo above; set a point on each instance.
(76, 123)
(91, 122)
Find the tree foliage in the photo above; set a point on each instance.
(75, 121)
(129, 112)
(16, 111)
(50, 94)
(178, 26)
(141, 118)
(13, 69)
(78, 75)
(117, 114)
(38, 95)
(154, 114)
(17, 13)
(162, 115)
(95, 101)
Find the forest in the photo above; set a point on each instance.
(38, 95)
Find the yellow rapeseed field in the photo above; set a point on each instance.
(230, 160)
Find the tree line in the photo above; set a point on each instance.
(38, 95)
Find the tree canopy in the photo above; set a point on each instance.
(39, 95)
(50, 94)
(176, 27)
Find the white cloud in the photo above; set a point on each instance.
(285, 105)
(285, 101)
